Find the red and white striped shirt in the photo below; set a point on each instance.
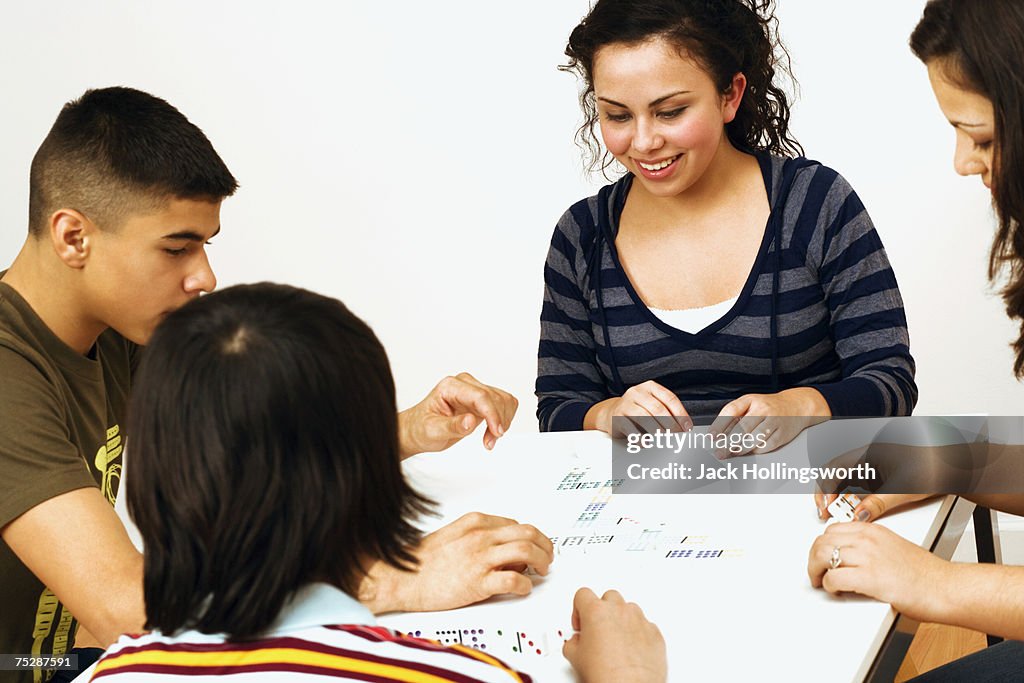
(302, 645)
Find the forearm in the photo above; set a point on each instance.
(867, 322)
(1012, 503)
(94, 569)
(983, 597)
(558, 413)
(471, 559)
(860, 396)
(998, 476)
(569, 379)
(406, 444)
(597, 416)
(809, 402)
(123, 611)
(104, 616)
(378, 590)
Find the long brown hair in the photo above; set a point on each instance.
(981, 45)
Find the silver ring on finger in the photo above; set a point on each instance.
(836, 560)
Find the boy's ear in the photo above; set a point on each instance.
(71, 235)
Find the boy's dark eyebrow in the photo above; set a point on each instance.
(190, 235)
(655, 103)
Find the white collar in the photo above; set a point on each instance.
(317, 604)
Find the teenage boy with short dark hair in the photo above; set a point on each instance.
(125, 193)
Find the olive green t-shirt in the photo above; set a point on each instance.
(61, 429)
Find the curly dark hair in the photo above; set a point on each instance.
(726, 37)
(979, 45)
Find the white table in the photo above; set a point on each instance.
(749, 614)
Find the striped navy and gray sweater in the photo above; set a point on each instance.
(824, 311)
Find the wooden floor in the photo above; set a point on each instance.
(935, 645)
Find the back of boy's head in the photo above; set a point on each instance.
(264, 442)
(116, 151)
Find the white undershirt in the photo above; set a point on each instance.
(693, 320)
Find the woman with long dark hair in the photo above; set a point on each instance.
(974, 51)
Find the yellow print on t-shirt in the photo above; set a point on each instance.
(45, 615)
(111, 471)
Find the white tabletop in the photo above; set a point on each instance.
(745, 614)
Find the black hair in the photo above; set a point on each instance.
(980, 47)
(725, 37)
(116, 150)
(264, 456)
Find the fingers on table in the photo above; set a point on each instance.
(472, 520)
(656, 405)
(841, 546)
(822, 501)
(876, 505)
(518, 552)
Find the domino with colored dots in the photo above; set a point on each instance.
(501, 642)
(842, 508)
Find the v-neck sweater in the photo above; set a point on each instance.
(820, 308)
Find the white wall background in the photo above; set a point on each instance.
(412, 158)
